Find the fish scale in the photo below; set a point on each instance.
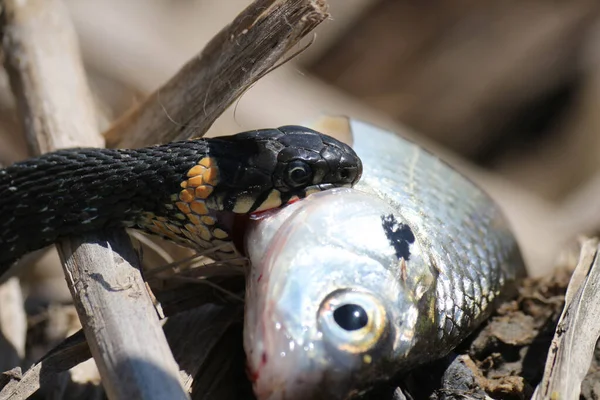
(444, 208)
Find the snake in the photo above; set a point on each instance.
(192, 192)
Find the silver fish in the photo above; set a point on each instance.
(352, 286)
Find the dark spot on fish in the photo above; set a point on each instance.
(400, 235)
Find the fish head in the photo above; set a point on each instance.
(328, 311)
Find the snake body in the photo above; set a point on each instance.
(185, 191)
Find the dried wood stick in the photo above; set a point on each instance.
(121, 326)
(574, 343)
(239, 55)
(13, 325)
(68, 354)
(47, 77)
(206, 325)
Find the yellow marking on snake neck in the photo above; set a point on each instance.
(188, 234)
(272, 201)
(173, 228)
(195, 181)
(207, 220)
(161, 226)
(194, 218)
(183, 207)
(203, 191)
(220, 234)
(191, 228)
(207, 162)
(195, 171)
(186, 195)
(199, 207)
(211, 175)
(191, 201)
(204, 232)
(202, 177)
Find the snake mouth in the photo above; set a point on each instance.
(241, 221)
(307, 191)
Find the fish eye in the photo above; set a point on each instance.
(297, 174)
(351, 317)
(352, 321)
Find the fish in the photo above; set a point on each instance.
(352, 287)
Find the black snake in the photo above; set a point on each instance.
(186, 191)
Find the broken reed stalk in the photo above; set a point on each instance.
(235, 59)
(240, 54)
(71, 352)
(54, 102)
(576, 336)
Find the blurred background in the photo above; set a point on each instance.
(508, 91)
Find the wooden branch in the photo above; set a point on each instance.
(13, 325)
(194, 319)
(574, 343)
(49, 83)
(47, 78)
(68, 354)
(128, 342)
(233, 60)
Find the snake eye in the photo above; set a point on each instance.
(297, 174)
(352, 321)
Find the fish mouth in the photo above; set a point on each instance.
(281, 369)
(280, 373)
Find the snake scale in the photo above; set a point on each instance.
(186, 191)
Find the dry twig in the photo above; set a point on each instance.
(577, 332)
(49, 83)
(233, 60)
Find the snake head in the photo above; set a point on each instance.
(268, 168)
